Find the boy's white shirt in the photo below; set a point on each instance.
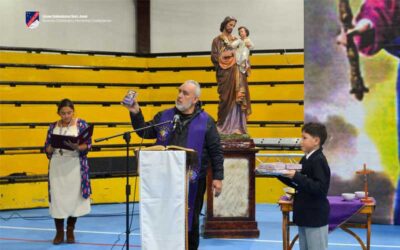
(309, 154)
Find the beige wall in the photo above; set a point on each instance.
(176, 25)
(107, 25)
(190, 25)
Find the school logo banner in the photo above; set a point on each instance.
(32, 19)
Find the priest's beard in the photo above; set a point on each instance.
(183, 107)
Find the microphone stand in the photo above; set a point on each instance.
(127, 138)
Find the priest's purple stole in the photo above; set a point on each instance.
(195, 140)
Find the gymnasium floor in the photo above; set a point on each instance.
(105, 226)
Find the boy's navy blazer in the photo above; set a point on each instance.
(310, 204)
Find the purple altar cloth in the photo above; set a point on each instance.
(340, 210)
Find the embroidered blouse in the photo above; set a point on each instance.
(85, 181)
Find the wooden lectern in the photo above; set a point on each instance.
(232, 214)
(164, 177)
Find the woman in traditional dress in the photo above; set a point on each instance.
(69, 186)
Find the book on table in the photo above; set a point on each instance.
(190, 153)
(168, 147)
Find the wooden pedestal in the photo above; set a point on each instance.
(232, 214)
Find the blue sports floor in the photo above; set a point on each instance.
(104, 228)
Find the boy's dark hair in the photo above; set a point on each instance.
(245, 29)
(316, 129)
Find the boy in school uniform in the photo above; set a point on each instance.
(310, 204)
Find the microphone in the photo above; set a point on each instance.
(175, 121)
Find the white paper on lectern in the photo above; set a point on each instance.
(162, 199)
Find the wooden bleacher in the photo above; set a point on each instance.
(32, 81)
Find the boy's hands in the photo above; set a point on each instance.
(289, 174)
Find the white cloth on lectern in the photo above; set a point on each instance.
(162, 199)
